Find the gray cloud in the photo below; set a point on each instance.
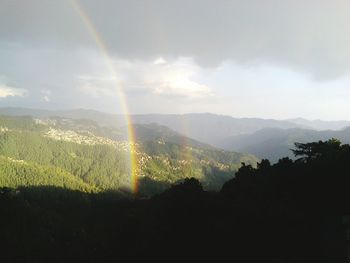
(312, 36)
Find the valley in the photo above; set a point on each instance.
(82, 155)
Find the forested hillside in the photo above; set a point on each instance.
(80, 154)
(14, 173)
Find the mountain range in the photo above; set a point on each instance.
(264, 138)
(205, 127)
(274, 143)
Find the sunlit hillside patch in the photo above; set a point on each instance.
(102, 162)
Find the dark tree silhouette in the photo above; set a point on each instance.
(314, 150)
(288, 212)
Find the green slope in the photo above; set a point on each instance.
(16, 173)
(94, 155)
(100, 165)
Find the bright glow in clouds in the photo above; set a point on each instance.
(159, 61)
(6, 91)
(176, 79)
(160, 78)
(173, 78)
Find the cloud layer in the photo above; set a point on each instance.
(266, 58)
(311, 36)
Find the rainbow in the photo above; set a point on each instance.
(119, 87)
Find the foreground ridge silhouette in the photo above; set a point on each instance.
(292, 211)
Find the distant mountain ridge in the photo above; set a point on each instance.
(205, 127)
(209, 129)
(321, 124)
(275, 143)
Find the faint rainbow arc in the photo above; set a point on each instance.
(123, 100)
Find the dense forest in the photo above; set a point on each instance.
(81, 155)
(291, 212)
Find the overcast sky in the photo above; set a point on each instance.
(245, 58)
